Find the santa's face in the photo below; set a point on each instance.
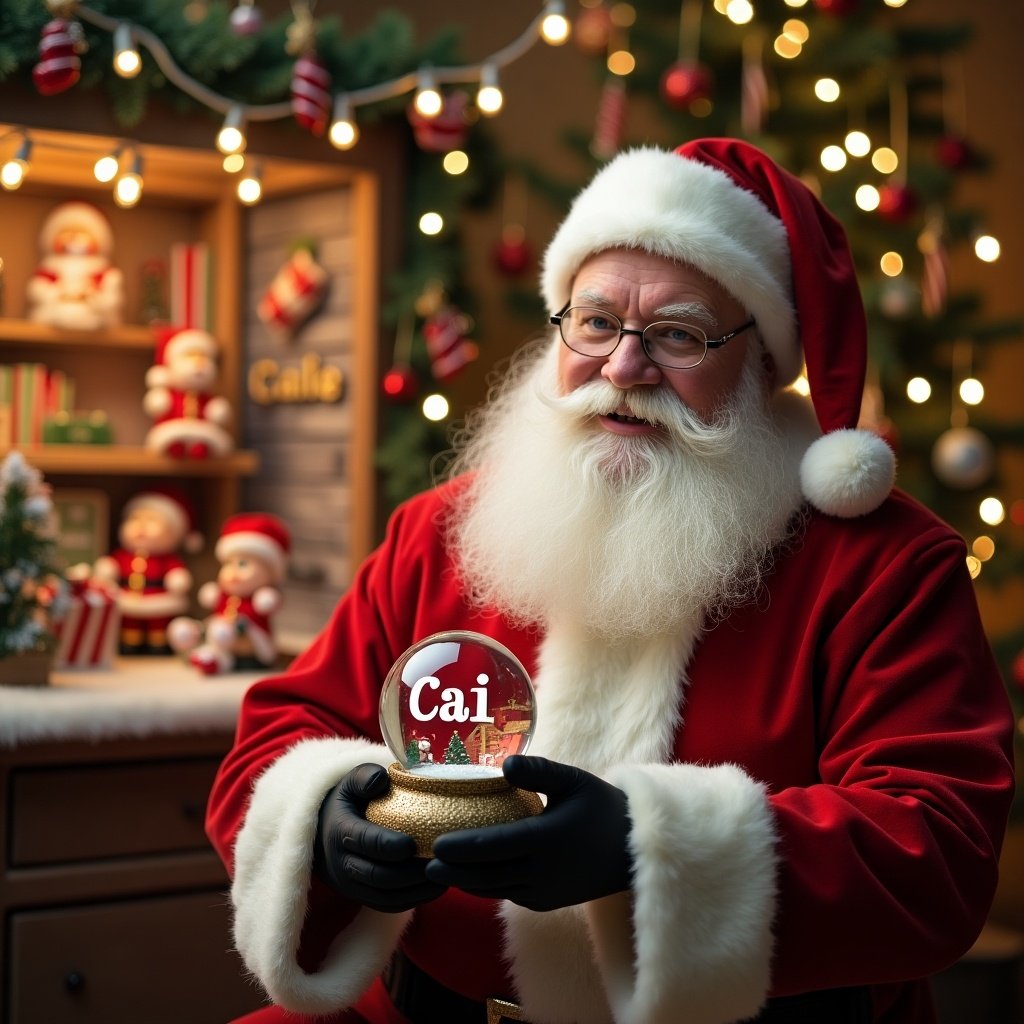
(192, 370)
(241, 575)
(641, 288)
(75, 241)
(149, 530)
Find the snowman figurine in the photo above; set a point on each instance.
(75, 286)
(253, 551)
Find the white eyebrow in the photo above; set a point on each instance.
(693, 312)
(587, 295)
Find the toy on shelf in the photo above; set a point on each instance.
(76, 286)
(253, 551)
(190, 421)
(152, 579)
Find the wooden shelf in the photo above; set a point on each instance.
(126, 460)
(131, 336)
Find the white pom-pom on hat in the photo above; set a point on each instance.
(847, 473)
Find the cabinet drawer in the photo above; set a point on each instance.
(89, 812)
(162, 960)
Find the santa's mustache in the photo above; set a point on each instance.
(658, 406)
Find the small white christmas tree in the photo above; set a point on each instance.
(32, 590)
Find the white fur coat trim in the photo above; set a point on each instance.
(694, 943)
(273, 858)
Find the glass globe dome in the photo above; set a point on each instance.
(455, 705)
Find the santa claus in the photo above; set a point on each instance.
(190, 421)
(153, 582)
(775, 747)
(253, 552)
(75, 285)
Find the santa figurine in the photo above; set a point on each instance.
(253, 551)
(153, 583)
(190, 421)
(76, 286)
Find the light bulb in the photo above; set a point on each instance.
(918, 390)
(884, 160)
(867, 198)
(106, 167)
(250, 186)
(343, 133)
(489, 98)
(972, 391)
(435, 407)
(12, 174)
(827, 90)
(987, 248)
(554, 28)
(455, 162)
(231, 137)
(431, 223)
(991, 511)
(857, 143)
(428, 100)
(127, 62)
(891, 264)
(128, 188)
(833, 158)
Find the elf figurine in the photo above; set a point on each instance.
(75, 286)
(153, 582)
(253, 551)
(190, 421)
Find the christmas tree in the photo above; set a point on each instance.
(867, 105)
(455, 752)
(32, 591)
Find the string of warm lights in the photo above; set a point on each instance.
(124, 165)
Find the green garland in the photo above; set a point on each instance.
(257, 70)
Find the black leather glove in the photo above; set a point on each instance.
(576, 850)
(374, 866)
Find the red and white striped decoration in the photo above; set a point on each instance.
(448, 347)
(87, 635)
(59, 65)
(611, 119)
(311, 93)
(295, 292)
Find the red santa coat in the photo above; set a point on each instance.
(142, 580)
(818, 786)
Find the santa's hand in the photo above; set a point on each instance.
(575, 851)
(374, 866)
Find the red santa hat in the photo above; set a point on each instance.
(81, 216)
(259, 534)
(727, 209)
(175, 508)
(174, 342)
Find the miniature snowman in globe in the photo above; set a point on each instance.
(453, 707)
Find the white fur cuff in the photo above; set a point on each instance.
(703, 898)
(273, 860)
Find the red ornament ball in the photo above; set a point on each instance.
(512, 255)
(59, 65)
(592, 30)
(400, 384)
(837, 8)
(1017, 670)
(683, 83)
(954, 153)
(896, 203)
(246, 20)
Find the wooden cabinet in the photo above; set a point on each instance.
(114, 906)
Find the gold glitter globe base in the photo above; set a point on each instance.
(426, 807)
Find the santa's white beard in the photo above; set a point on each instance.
(624, 536)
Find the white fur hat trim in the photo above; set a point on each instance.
(847, 473)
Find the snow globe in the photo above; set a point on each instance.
(453, 707)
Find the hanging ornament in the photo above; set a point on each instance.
(295, 292)
(59, 65)
(246, 19)
(836, 8)
(896, 203)
(955, 153)
(311, 96)
(592, 30)
(1017, 670)
(754, 85)
(447, 345)
(684, 83)
(898, 298)
(446, 131)
(963, 458)
(687, 80)
(400, 384)
(611, 118)
(935, 267)
(512, 255)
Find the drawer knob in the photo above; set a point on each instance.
(74, 981)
